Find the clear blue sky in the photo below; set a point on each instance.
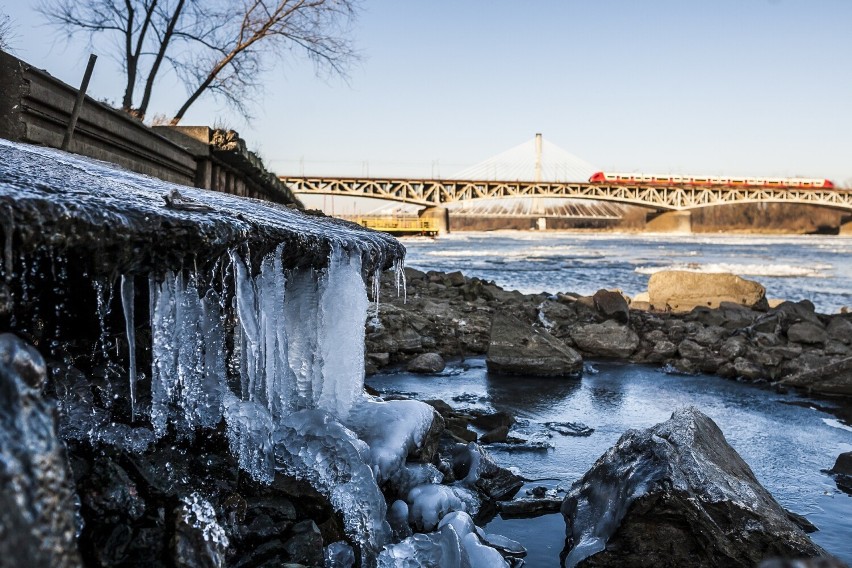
(745, 87)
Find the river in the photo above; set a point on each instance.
(817, 268)
(786, 439)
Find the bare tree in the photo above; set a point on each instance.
(5, 31)
(214, 46)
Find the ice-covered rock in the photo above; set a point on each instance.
(676, 494)
(37, 525)
(392, 430)
(313, 445)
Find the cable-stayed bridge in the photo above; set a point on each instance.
(527, 180)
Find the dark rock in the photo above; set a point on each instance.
(305, 546)
(676, 494)
(607, 339)
(843, 464)
(661, 351)
(802, 522)
(111, 494)
(840, 329)
(793, 312)
(570, 428)
(455, 278)
(198, 541)
(529, 508)
(496, 435)
(516, 348)
(832, 378)
(611, 305)
(691, 350)
(807, 333)
(493, 420)
(431, 440)
(379, 359)
(37, 525)
(748, 369)
(493, 482)
(427, 363)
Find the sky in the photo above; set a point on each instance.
(722, 87)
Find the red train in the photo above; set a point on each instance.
(668, 179)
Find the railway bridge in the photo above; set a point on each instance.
(669, 204)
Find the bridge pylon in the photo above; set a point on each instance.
(669, 222)
(439, 215)
(845, 225)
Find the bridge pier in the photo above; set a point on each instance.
(845, 225)
(669, 222)
(440, 216)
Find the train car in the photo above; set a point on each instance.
(709, 181)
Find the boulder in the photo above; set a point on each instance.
(427, 363)
(676, 494)
(611, 305)
(37, 526)
(493, 420)
(681, 291)
(807, 333)
(607, 339)
(840, 329)
(842, 472)
(831, 378)
(494, 436)
(517, 348)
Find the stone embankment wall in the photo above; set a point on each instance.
(35, 108)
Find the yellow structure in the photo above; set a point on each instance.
(410, 225)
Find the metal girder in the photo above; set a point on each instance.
(439, 192)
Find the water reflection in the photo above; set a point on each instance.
(787, 445)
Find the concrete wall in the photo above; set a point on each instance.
(35, 108)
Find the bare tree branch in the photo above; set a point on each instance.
(220, 47)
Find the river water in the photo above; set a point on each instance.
(786, 439)
(818, 268)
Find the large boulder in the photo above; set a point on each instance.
(676, 494)
(516, 348)
(831, 378)
(607, 339)
(680, 291)
(427, 363)
(37, 526)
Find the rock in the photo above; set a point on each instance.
(519, 349)
(305, 546)
(431, 440)
(611, 305)
(661, 351)
(681, 291)
(840, 329)
(807, 333)
(529, 508)
(379, 359)
(676, 494)
(37, 526)
(747, 369)
(691, 350)
(493, 420)
(843, 464)
(794, 312)
(607, 339)
(832, 378)
(198, 541)
(641, 301)
(496, 435)
(733, 347)
(427, 363)
(455, 278)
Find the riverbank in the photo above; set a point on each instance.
(786, 346)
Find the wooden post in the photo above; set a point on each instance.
(78, 104)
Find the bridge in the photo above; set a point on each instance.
(551, 170)
(437, 193)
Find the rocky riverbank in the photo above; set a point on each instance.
(449, 315)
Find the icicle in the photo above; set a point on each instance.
(343, 307)
(399, 270)
(127, 296)
(377, 283)
(103, 290)
(301, 325)
(163, 352)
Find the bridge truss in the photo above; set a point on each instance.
(431, 192)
